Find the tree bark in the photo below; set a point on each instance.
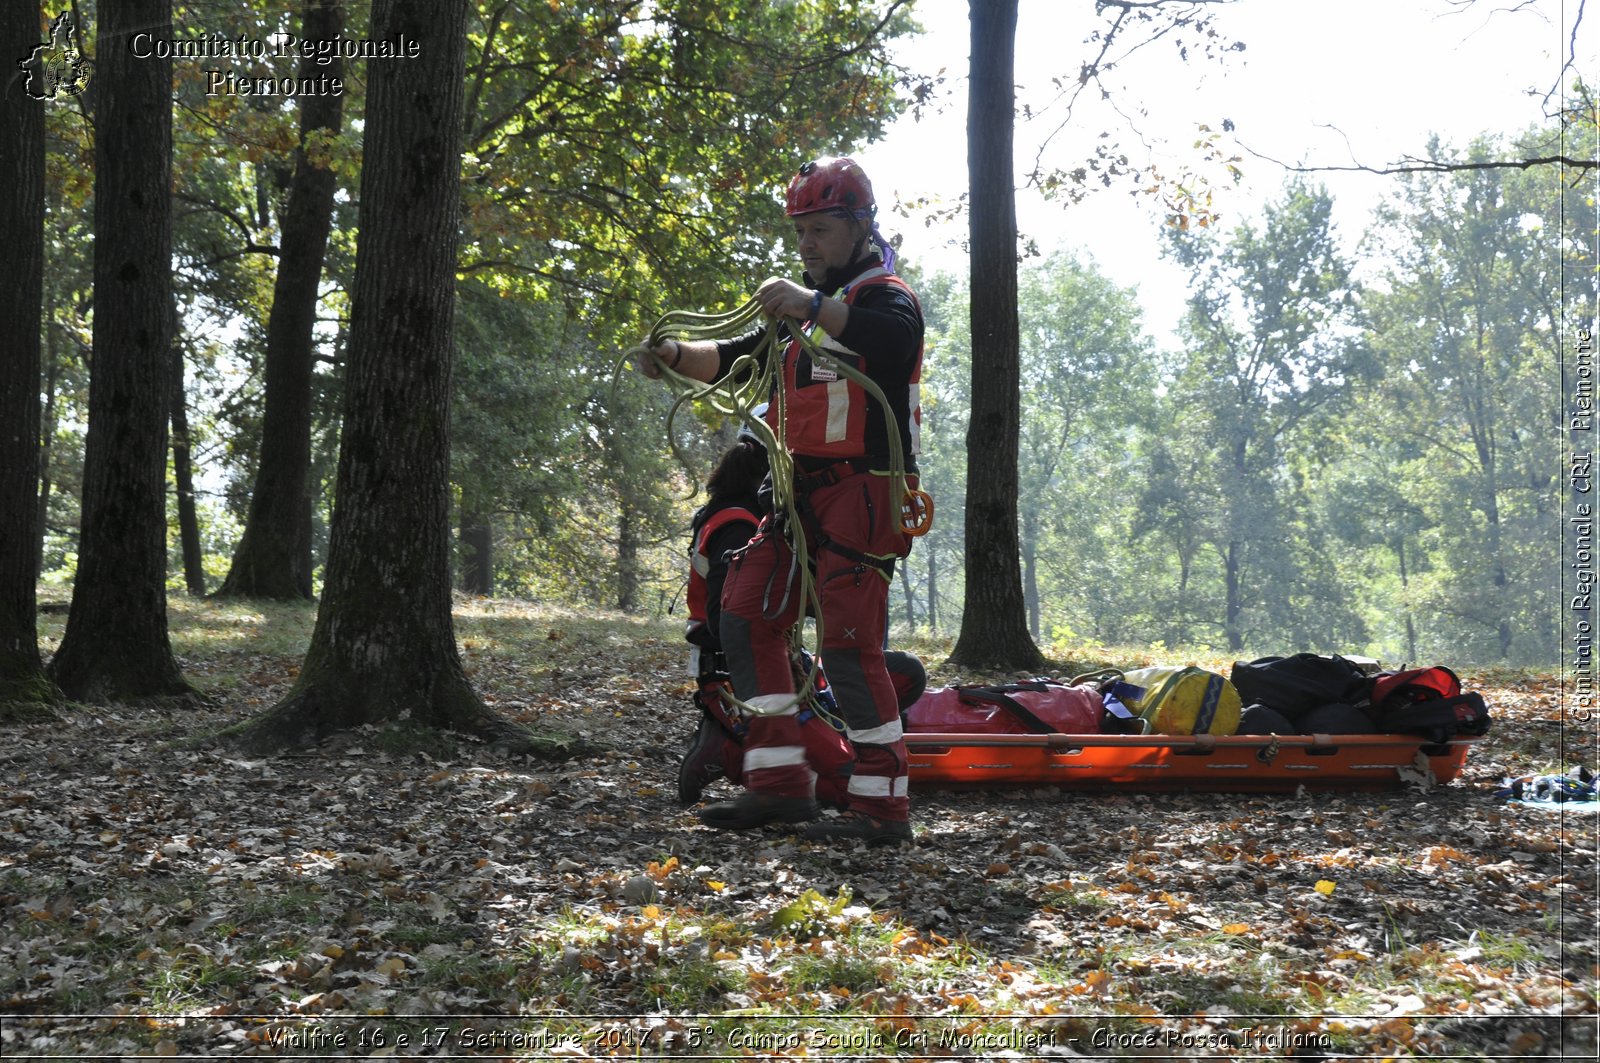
(477, 550)
(384, 643)
(994, 629)
(627, 556)
(47, 434)
(1488, 463)
(1030, 572)
(1405, 594)
(1233, 606)
(24, 689)
(194, 574)
(1178, 633)
(116, 646)
(273, 558)
(911, 602)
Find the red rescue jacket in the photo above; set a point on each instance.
(700, 567)
(827, 413)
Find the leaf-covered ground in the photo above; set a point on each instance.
(416, 894)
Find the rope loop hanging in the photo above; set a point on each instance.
(752, 379)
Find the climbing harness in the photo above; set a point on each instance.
(751, 380)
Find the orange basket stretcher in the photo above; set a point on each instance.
(1233, 763)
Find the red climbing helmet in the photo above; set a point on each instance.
(832, 182)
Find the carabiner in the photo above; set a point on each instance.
(916, 512)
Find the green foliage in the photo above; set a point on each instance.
(517, 385)
(65, 350)
(232, 163)
(1274, 347)
(1086, 386)
(1313, 472)
(1087, 380)
(811, 913)
(1318, 467)
(1469, 329)
(621, 162)
(617, 154)
(930, 579)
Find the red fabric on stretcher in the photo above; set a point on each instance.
(963, 710)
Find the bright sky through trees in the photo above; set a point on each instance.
(1359, 82)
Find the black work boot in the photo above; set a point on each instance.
(702, 764)
(858, 826)
(752, 809)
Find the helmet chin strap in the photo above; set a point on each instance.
(860, 246)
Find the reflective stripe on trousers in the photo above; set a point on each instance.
(855, 513)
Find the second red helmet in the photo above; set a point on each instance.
(833, 182)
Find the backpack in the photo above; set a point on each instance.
(1036, 707)
(1176, 701)
(1303, 683)
(1416, 684)
(1428, 702)
(828, 750)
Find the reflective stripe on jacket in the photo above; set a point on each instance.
(827, 412)
(700, 564)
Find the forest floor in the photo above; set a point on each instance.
(406, 893)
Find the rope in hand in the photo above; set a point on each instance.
(749, 381)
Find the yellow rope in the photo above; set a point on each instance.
(738, 397)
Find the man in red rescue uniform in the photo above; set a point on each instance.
(865, 317)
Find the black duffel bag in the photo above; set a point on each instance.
(1298, 685)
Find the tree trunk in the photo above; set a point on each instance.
(47, 433)
(1504, 632)
(384, 643)
(24, 689)
(1405, 594)
(1497, 562)
(477, 550)
(1178, 633)
(933, 589)
(994, 630)
(116, 646)
(1233, 607)
(273, 558)
(1030, 572)
(911, 604)
(194, 575)
(627, 556)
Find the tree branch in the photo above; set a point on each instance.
(1129, 5)
(1415, 165)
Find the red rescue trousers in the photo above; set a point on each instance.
(905, 672)
(852, 530)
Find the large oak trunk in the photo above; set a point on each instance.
(273, 558)
(22, 679)
(994, 630)
(384, 643)
(116, 645)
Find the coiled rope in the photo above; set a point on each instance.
(752, 379)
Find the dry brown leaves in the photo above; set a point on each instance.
(404, 894)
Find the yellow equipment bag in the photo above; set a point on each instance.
(1180, 701)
